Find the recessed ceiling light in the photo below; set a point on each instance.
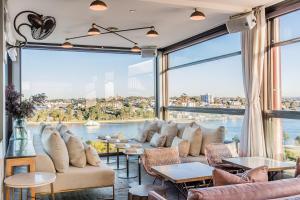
(132, 11)
(197, 15)
(98, 5)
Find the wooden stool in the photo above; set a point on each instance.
(140, 192)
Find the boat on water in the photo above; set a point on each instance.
(91, 123)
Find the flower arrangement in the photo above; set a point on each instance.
(20, 108)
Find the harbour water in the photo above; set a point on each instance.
(232, 126)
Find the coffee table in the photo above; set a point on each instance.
(274, 166)
(183, 174)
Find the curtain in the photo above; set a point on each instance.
(253, 51)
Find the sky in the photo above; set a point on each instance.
(65, 74)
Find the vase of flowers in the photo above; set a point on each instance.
(20, 108)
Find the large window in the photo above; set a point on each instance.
(286, 93)
(208, 75)
(88, 87)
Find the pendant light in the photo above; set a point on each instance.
(152, 33)
(135, 48)
(67, 45)
(94, 31)
(98, 5)
(197, 15)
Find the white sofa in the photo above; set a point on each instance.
(74, 178)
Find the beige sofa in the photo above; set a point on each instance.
(281, 189)
(207, 137)
(74, 178)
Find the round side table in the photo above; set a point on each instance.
(30, 180)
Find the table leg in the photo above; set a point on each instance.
(139, 166)
(127, 165)
(118, 162)
(107, 151)
(32, 169)
(52, 191)
(21, 194)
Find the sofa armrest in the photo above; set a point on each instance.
(155, 196)
(44, 163)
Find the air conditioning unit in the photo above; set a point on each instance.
(241, 22)
(149, 52)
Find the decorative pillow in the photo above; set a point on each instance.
(215, 152)
(66, 136)
(194, 136)
(183, 146)
(181, 127)
(42, 127)
(92, 156)
(149, 126)
(76, 152)
(221, 177)
(259, 174)
(158, 140)
(56, 148)
(212, 136)
(150, 135)
(170, 131)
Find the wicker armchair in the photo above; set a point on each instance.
(215, 152)
(158, 157)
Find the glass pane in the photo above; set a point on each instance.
(291, 138)
(290, 77)
(232, 123)
(89, 91)
(216, 84)
(289, 26)
(215, 47)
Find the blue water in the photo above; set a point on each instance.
(129, 130)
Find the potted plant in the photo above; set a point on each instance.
(20, 109)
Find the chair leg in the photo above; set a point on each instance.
(154, 181)
(113, 191)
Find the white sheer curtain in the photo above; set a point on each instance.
(253, 51)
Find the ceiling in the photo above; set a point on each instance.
(170, 17)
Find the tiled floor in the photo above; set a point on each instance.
(121, 187)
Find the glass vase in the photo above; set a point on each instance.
(20, 131)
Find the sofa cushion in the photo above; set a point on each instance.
(215, 152)
(76, 152)
(63, 128)
(181, 127)
(148, 128)
(158, 140)
(76, 178)
(56, 148)
(92, 156)
(170, 131)
(200, 158)
(183, 146)
(194, 136)
(212, 136)
(258, 174)
(249, 191)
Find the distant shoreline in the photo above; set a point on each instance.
(99, 121)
